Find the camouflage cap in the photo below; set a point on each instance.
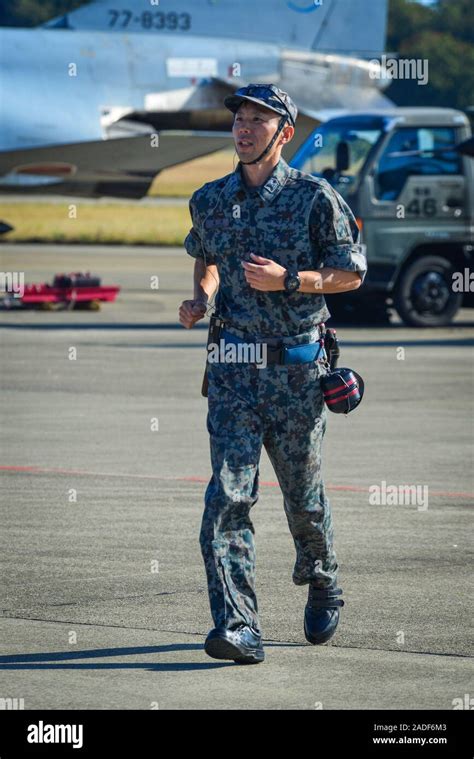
(267, 95)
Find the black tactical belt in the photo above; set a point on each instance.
(279, 353)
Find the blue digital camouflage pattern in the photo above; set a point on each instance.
(299, 221)
(282, 408)
(295, 219)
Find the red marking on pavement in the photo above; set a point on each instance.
(87, 473)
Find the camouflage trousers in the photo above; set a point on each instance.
(280, 407)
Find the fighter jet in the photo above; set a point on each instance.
(98, 101)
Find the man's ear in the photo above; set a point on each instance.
(287, 134)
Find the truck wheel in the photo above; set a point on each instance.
(424, 295)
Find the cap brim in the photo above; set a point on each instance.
(232, 102)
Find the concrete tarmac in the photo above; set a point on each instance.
(104, 463)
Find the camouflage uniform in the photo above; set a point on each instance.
(300, 222)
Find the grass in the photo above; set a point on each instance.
(182, 180)
(119, 224)
(129, 224)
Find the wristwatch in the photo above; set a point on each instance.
(292, 281)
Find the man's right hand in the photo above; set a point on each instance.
(191, 311)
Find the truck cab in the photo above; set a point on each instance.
(412, 192)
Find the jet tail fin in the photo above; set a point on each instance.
(347, 27)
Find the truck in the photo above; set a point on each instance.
(410, 184)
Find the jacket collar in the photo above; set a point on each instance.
(269, 190)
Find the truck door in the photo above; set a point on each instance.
(416, 197)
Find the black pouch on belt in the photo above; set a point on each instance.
(213, 336)
(331, 346)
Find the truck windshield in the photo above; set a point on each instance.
(338, 150)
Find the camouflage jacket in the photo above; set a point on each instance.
(296, 219)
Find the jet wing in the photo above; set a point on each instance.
(123, 167)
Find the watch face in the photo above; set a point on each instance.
(292, 282)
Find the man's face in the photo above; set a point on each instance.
(253, 128)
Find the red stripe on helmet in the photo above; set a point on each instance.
(342, 398)
(340, 387)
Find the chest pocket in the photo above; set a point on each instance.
(286, 231)
(217, 234)
(290, 245)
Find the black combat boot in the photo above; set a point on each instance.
(242, 644)
(321, 613)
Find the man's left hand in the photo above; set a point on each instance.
(264, 274)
